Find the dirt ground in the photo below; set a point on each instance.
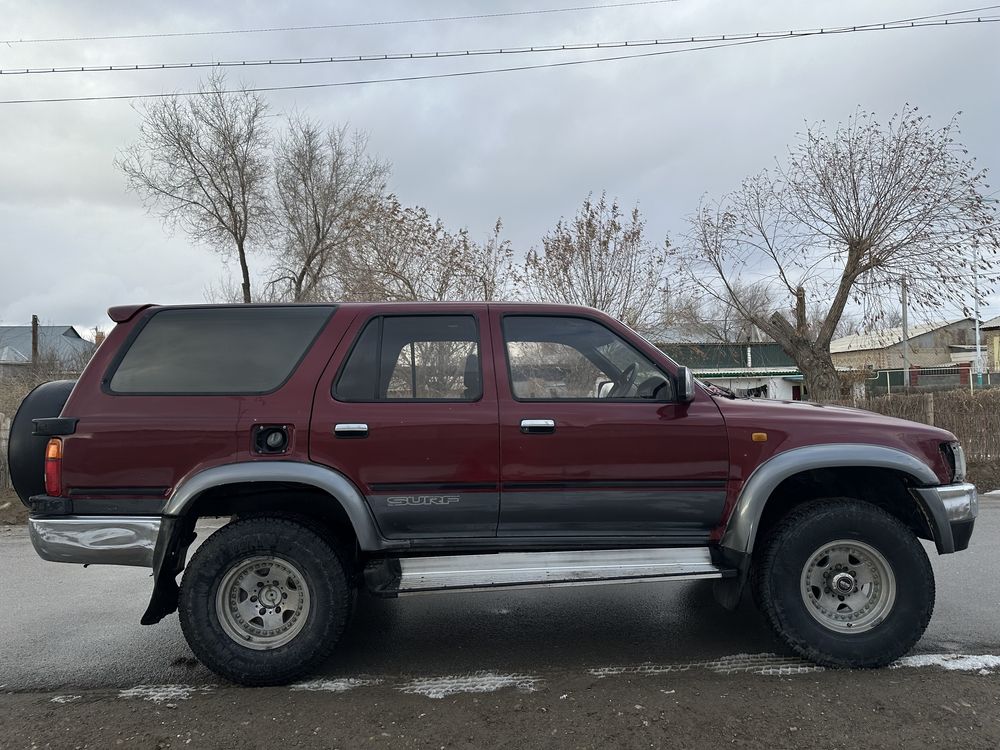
(12, 511)
(905, 708)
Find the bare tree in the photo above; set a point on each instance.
(202, 162)
(851, 213)
(709, 320)
(601, 259)
(488, 269)
(401, 253)
(326, 186)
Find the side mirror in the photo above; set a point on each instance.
(685, 385)
(604, 388)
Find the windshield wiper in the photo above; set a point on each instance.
(718, 390)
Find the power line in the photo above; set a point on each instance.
(492, 51)
(329, 26)
(397, 22)
(755, 39)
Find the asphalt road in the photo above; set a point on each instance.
(523, 662)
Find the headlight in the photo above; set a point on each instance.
(955, 455)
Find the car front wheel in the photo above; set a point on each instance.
(845, 584)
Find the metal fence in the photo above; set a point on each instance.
(928, 379)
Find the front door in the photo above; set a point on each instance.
(408, 413)
(592, 441)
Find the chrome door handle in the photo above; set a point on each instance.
(538, 426)
(351, 430)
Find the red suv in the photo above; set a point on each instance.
(404, 448)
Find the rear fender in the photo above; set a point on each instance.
(180, 514)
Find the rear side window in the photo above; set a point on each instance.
(413, 358)
(239, 350)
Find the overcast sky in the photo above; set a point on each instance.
(525, 146)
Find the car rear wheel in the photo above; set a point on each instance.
(264, 600)
(845, 584)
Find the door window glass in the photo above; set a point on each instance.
(577, 359)
(420, 357)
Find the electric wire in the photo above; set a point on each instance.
(494, 51)
(755, 39)
(332, 26)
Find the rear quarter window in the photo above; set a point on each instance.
(217, 350)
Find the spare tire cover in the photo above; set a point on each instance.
(26, 452)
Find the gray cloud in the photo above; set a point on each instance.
(525, 146)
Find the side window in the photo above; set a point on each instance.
(227, 350)
(360, 373)
(553, 358)
(412, 358)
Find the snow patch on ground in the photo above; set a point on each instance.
(480, 682)
(341, 685)
(65, 698)
(163, 693)
(981, 663)
(763, 664)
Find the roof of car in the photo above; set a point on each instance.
(122, 313)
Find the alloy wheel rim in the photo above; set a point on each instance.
(848, 586)
(263, 602)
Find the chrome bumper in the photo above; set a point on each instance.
(960, 501)
(97, 540)
(951, 510)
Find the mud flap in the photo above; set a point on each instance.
(176, 536)
(729, 591)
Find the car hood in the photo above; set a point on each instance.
(793, 424)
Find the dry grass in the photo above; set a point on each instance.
(973, 418)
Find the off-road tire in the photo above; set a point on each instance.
(325, 578)
(778, 572)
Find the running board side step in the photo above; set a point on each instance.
(415, 575)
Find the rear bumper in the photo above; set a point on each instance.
(952, 509)
(98, 540)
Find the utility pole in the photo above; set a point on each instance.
(975, 270)
(979, 352)
(34, 339)
(906, 339)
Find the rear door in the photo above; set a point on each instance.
(593, 443)
(408, 412)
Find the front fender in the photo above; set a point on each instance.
(741, 530)
(738, 540)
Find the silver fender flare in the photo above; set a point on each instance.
(741, 530)
(174, 537)
(335, 484)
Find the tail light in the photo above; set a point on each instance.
(53, 467)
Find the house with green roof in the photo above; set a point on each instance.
(760, 369)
